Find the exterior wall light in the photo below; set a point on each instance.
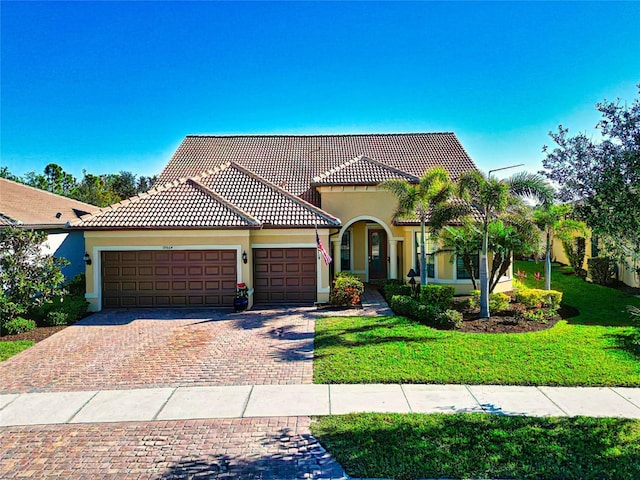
(87, 258)
(244, 257)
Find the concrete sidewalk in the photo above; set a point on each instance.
(188, 403)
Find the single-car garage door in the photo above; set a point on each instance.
(175, 278)
(284, 275)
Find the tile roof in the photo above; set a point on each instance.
(292, 161)
(31, 207)
(361, 171)
(229, 196)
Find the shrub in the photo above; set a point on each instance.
(57, 318)
(19, 325)
(439, 296)
(575, 250)
(536, 298)
(600, 270)
(542, 315)
(429, 315)
(426, 314)
(474, 300)
(77, 286)
(450, 319)
(391, 289)
(73, 307)
(347, 289)
(499, 302)
(403, 305)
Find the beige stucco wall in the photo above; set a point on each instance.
(239, 240)
(558, 255)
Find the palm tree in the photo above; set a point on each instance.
(551, 219)
(491, 198)
(429, 199)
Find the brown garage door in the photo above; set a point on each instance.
(284, 275)
(180, 278)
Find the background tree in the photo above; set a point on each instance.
(28, 277)
(491, 198)
(430, 199)
(553, 221)
(602, 177)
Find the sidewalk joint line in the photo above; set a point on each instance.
(551, 400)
(329, 392)
(406, 399)
(624, 398)
(82, 406)
(164, 404)
(17, 397)
(246, 402)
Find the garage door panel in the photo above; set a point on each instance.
(284, 275)
(164, 279)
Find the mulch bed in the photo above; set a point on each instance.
(507, 322)
(503, 324)
(36, 335)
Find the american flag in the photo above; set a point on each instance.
(325, 255)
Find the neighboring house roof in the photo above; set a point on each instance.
(229, 196)
(361, 171)
(292, 161)
(21, 205)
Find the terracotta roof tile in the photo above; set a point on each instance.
(227, 197)
(292, 161)
(28, 206)
(361, 171)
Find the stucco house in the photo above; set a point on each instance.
(246, 209)
(26, 207)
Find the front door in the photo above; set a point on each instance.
(377, 255)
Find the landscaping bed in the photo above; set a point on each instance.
(36, 335)
(595, 344)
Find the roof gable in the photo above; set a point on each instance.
(226, 197)
(361, 171)
(24, 205)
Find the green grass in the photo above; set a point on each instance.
(482, 446)
(10, 348)
(593, 348)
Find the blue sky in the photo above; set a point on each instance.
(111, 86)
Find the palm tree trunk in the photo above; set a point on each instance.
(484, 274)
(423, 255)
(547, 263)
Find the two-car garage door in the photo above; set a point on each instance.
(182, 278)
(205, 278)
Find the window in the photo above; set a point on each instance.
(345, 251)
(429, 248)
(461, 272)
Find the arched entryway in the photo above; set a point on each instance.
(367, 247)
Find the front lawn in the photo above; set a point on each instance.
(8, 349)
(593, 348)
(482, 446)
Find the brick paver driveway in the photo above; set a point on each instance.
(168, 348)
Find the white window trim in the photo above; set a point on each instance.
(414, 254)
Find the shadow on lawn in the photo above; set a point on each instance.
(628, 342)
(284, 454)
(481, 446)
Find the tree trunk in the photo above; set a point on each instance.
(484, 275)
(423, 256)
(547, 263)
